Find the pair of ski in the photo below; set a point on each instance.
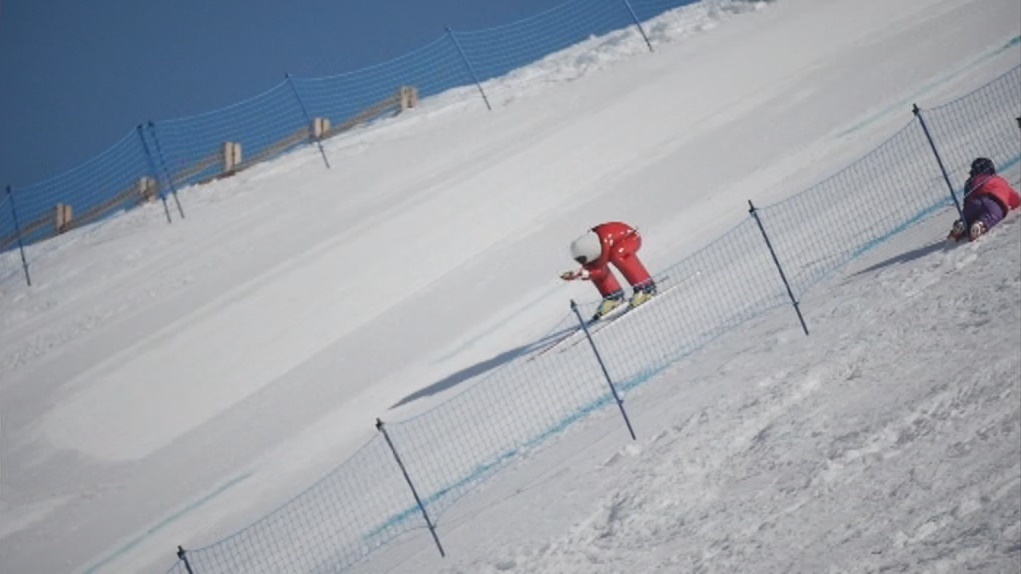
(594, 326)
(576, 335)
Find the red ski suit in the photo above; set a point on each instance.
(620, 243)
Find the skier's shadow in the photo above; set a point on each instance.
(908, 256)
(482, 367)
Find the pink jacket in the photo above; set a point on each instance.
(995, 187)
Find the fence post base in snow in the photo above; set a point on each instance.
(411, 485)
(17, 232)
(166, 171)
(776, 261)
(471, 71)
(918, 114)
(602, 365)
(638, 23)
(155, 172)
(308, 119)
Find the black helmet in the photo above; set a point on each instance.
(982, 166)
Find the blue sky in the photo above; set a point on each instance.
(77, 76)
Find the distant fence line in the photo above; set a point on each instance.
(413, 471)
(154, 160)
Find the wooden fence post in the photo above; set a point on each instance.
(231, 157)
(64, 216)
(320, 128)
(408, 96)
(146, 190)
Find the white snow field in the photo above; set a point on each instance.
(165, 385)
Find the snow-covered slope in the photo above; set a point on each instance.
(168, 384)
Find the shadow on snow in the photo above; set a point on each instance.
(481, 367)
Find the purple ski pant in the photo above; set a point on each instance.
(982, 208)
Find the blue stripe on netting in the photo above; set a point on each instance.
(166, 522)
(644, 375)
(917, 218)
(484, 470)
(606, 399)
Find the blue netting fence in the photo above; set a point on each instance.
(451, 449)
(158, 158)
(966, 128)
(111, 182)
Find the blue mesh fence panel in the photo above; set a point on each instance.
(336, 523)
(178, 568)
(700, 298)
(94, 190)
(190, 150)
(357, 96)
(495, 51)
(648, 9)
(821, 229)
(266, 126)
(10, 261)
(457, 445)
(983, 123)
(8, 230)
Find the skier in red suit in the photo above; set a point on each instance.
(613, 243)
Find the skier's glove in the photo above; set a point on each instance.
(572, 275)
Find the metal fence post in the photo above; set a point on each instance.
(602, 365)
(152, 168)
(638, 23)
(468, 65)
(411, 485)
(776, 261)
(308, 119)
(17, 232)
(918, 114)
(183, 557)
(166, 171)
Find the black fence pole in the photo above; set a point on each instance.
(638, 23)
(308, 120)
(183, 557)
(411, 485)
(166, 170)
(776, 261)
(152, 168)
(17, 233)
(468, 65)
(918, 114)
(602, 365)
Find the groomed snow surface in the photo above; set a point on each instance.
(171, 384)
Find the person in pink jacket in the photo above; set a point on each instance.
(987, 200)
(617, 244)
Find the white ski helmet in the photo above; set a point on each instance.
(586, 248)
